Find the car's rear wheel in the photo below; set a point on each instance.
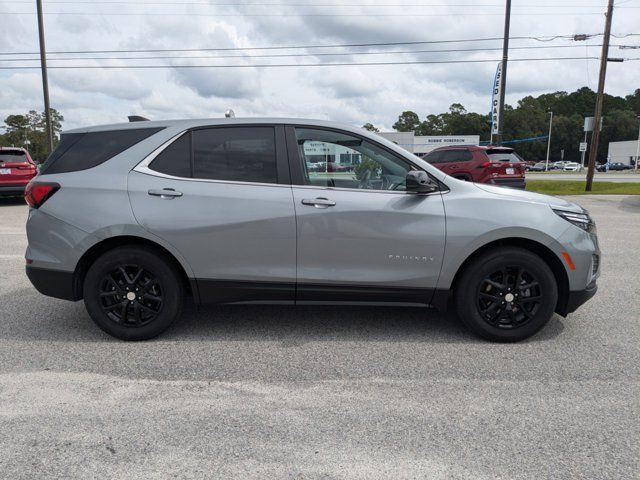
(133, 293)
(506, 294)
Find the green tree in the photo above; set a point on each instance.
(370, 127)
(407, 122)
(29, 131)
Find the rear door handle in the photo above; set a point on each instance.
(166, 193)
(319, 202)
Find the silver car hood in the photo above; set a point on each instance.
(553, 202)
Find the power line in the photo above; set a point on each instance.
(290, 4)
(182, 14)
(297, 47)
(286, 65)
(324, 54)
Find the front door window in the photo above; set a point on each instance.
(333, 159)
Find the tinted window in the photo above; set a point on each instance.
(13, 156)
(175, 159)
(451, 156)
(80, 151)
(245, 154)
(434, 157)
(339, 160)
(504, 156)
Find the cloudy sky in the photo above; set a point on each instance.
(352, 94)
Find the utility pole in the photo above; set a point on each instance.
(546, 169)
(503, 75)
(45, 80)
(595, 136)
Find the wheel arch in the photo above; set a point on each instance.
(544, 252)
(88, 257)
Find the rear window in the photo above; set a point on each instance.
(17, 156)
(80, 151)
(504, 156)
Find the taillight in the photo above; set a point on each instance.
(485, 164)
(37, 193)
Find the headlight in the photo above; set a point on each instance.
(581, 220)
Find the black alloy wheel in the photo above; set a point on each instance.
(131, 295)
(134, 292)
(506, 294)
(509, 298)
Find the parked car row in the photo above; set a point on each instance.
(615, 166)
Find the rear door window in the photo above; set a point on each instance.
(81, 151)
(242, 154)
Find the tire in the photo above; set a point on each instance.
(133, 293)
(485, 300)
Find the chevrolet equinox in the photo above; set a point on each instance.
(132, 218)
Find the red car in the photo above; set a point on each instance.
(16, 170)
(496, 165)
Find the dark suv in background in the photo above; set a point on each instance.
(495, 165)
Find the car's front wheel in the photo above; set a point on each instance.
(506, 294)
(133, 293)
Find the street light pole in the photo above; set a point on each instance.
(546, 169)
(45, 80)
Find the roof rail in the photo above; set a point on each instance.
(137, 118)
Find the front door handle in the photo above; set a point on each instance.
(319, 202)
(166, 193)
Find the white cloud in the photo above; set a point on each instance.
(355, 94)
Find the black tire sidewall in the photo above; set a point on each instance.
(155, 263)
(465, 295)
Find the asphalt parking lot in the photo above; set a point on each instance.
(323, 392)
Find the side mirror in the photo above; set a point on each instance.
(419, 182)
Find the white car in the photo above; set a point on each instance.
(571, 167)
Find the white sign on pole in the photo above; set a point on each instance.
(495, 101)
(583, 146)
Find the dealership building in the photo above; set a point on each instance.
(623, 152)
(420, 144)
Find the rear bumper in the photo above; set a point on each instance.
(577, 298)
(12, 190)
(53, 283)
(509, 182)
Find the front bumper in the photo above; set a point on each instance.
(53, 283)
(577, 298)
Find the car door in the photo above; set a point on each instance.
(361, 236)
(221, 197)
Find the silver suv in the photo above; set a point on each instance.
(135, 217)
